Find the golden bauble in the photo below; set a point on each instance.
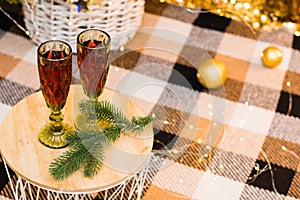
(271, 56)
(212, 74)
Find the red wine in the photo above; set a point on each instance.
(92, 63)
(55, 78)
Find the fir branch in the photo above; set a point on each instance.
(93, 165)
(105, 111)
(69, 162)
(112, 132)
(87, 147)
(87, 150)
(93, 139)
(138, 123)
(72, 138)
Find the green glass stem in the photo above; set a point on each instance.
(53, 134)
(56, 118)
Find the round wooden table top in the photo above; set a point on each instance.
(23, 152)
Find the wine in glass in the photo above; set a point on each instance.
(93, 48)
(54, 58)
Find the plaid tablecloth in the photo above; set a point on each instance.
(240, 141)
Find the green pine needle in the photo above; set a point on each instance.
(87, 147)
(69, 162)
(93, 165)
(105, 111)
(102, 111)
(112, 132)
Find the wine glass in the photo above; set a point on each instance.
(54, 58)
(93, 48)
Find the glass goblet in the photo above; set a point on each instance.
(54, 60)
(93, 48)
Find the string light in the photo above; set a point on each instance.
(297, 33)
(263, 18)
(246, 5)
(15, 22)
(258, 15)
(283, 148)
(122, 48)
(256, 12)
(176, 151)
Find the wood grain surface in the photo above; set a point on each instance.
(30, 159)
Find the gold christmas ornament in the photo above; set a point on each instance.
(212, 74)
(271, 56)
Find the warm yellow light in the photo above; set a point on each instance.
(246, 18)
(263, 18)
(256, 25)
(256, 11)
(297, 33)
(238, 6)
(199, 140)
(247, 5)
(290, 25)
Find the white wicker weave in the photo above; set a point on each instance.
(56, 19)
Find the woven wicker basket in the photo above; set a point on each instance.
(56, 19)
